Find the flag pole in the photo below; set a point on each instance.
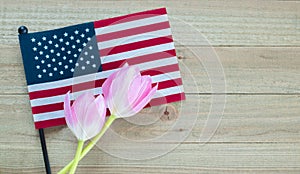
(24, 30)
(45, 153)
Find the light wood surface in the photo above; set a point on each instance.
(257, 43)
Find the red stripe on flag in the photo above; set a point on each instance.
(49, 92)
(166, 99)
(50, 123)
(47, 108)
(133, 31)
(139, 59)
(169, 83)
(136, 45)
(161, 70)
(130, 17)
(64, 90)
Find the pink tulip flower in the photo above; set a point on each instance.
(86, 116)
(127, 92)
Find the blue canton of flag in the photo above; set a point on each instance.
(54, 55)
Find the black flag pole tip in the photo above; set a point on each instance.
(24, 30)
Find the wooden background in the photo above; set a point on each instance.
(258, 45)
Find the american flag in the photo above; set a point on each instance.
(79, 58)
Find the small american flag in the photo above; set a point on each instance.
(79, 58)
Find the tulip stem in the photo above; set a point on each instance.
(77, 156)
(91, 144)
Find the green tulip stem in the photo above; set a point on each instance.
(77, 156)
(91, 144)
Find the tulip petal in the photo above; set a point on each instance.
(95, 117)
(71, 120)
(96, 111)
(107, 83)
(136, 85)
(71, 117)
(127, 92)
(81, 105)
(86, 116)
(142, 91)
(138, 106)
(77, 129)
(100, 102)
(145, 100)
(119, 90)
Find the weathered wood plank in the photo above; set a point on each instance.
(222, 23)
(215, 158)
(254, 135)
(247, 118)
(117, 169)
(246, 69)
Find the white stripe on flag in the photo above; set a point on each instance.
(137, 52)
(60, 98)
(165, 77)
(157, 63)
(168, 91)
(70, 81)
(48, 115)
(134, 38)
(132, 24)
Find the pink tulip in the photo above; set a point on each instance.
(127, 92)
(86, 116)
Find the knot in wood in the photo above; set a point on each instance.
(168, 113)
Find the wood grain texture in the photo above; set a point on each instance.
(257, 43)
(254, 136)
(222, 23)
